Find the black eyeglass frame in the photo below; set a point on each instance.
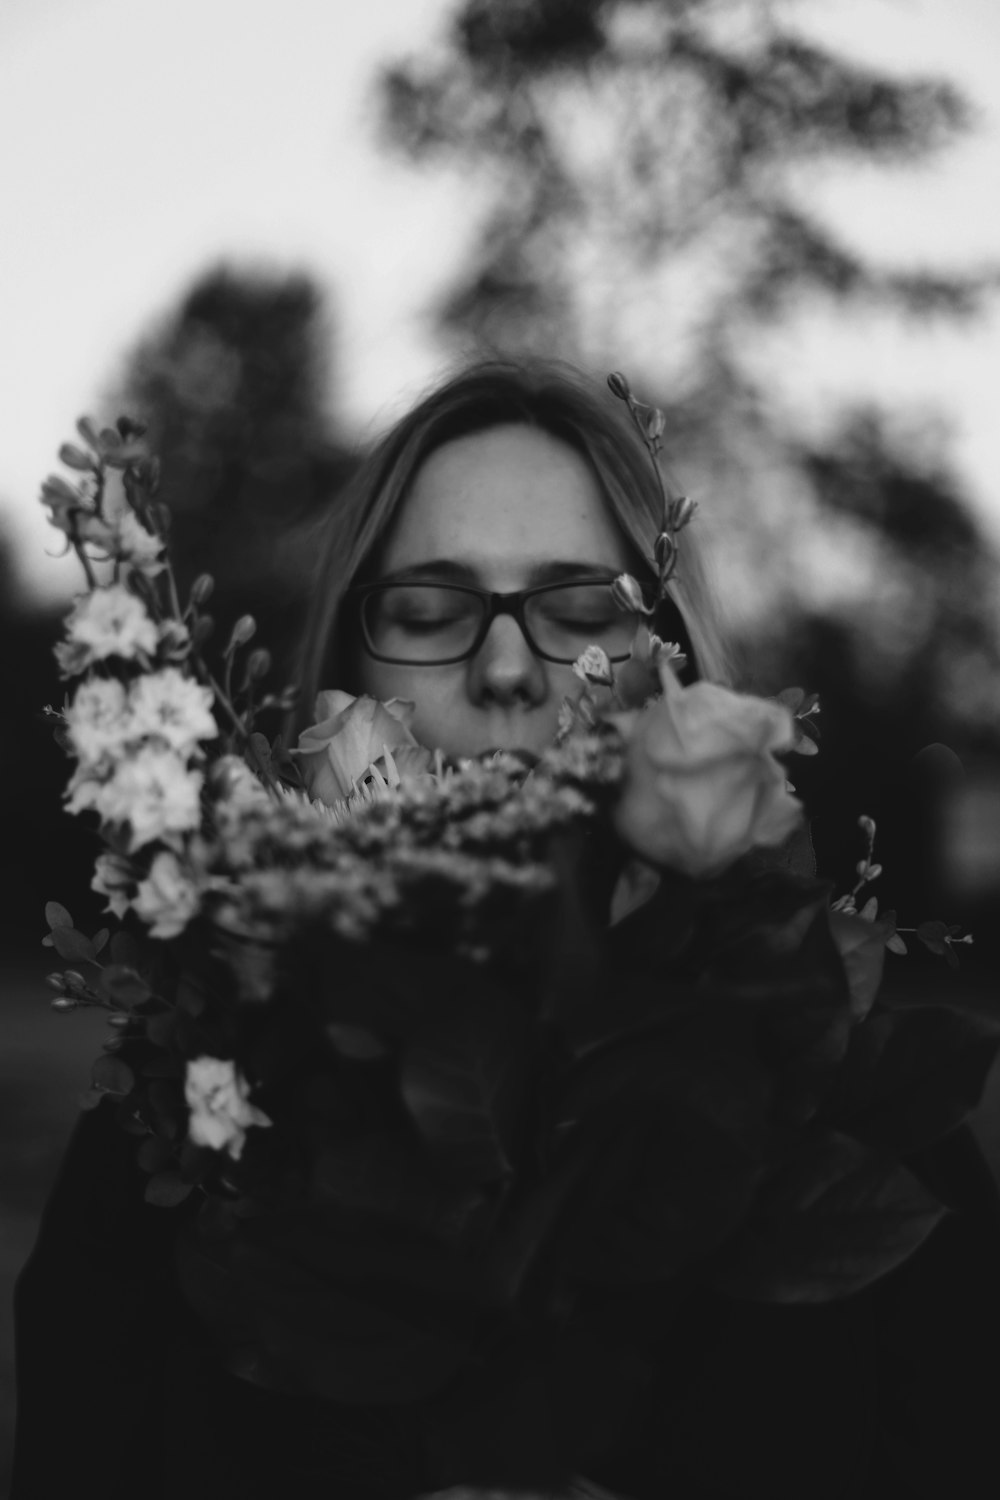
(496, 604)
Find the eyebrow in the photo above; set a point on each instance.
(448, 570)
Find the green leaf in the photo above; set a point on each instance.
(154, 1153)
(933, 935)
(828, 1223)
(162, 1027)
(167, 1189)
(125, 950)
(72, 945)
(100, 939)
(190, 997)
(376, 1340)
(861, 945)
(123, 985)
(113, 1075)
(913, 1074)
(56, 915)
(463, 1084)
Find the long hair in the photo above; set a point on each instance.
(544, 394)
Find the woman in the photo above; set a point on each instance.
(466, 570)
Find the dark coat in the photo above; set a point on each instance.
(892, 1394)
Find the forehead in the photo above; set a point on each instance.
(508, 495)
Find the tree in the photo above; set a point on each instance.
(642, 165)
(232, 387)
(640, 168)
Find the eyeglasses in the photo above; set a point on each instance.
(435, 624)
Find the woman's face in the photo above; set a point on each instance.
(503, 509)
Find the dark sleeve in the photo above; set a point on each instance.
(89, 1314)
(118, 1380)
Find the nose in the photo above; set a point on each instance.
(505, 671)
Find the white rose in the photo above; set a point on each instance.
(352, 735)
(168, 898)
(702, 784)
(217, 1095)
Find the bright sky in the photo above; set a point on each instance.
(141, 142)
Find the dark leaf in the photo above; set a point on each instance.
(125, 950)
(113, 1075)
(123, 985)
(861, 946)
(162, 1027)
(190, 996)
(336, 1311)
(100, 939)
(154, 1153)
(913, 1074)
(167, 1189)
(56, 915)
(933, 935)
(383, 1174)
(463, 1086)
(72, 945)
(828, 1223)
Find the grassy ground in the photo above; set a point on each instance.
(44, 1063)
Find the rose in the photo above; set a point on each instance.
(351, 736)
(702, 786)
(168, 898)
(217, 1095)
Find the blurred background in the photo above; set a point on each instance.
(265, 227)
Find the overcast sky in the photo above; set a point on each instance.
(140, 142)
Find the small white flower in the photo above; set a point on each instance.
(171, 707)
(152, 791)
(106, 622)
(168, 898)
(114, 878)
(217, 1095)
(98, 719)
(594, 666)
(137, 546)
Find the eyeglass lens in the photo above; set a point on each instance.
(423, 623)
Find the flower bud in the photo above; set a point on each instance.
(654, 422)
(75, 458)
(243, 631)
(64, 1003)
(130, 428)
(627, 594)
(867, 826)
(55, 982)
(258, 665)
(664, 550)
(681, 511)
(618, 385)
(202, 629)
(202, 590)
(594, 666)
(119, 1022)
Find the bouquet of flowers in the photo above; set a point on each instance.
(457, 1076)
